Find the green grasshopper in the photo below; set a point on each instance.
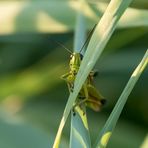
(88, 94)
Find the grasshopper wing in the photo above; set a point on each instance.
(95, 99)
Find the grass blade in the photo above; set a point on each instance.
(136, 3)
(80, 30)
(106, 132)
(99, 39)
(79, 130)
(79, 135)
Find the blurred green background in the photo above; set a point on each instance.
(32, 95)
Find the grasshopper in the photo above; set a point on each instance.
(88, 94)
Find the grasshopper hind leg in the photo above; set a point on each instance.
(81, 103)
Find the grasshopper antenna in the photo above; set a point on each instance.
(88, 37)
(60, 44)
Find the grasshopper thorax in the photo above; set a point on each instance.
(75, 61)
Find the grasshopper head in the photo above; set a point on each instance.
(75, 61)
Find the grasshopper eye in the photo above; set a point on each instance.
(71, 56)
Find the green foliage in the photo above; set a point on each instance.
(79, 130)
(79, 135)
(42, 16)
(32, 96)
(112, 120)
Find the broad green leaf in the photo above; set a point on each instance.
(16, 135)
(58, 16)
